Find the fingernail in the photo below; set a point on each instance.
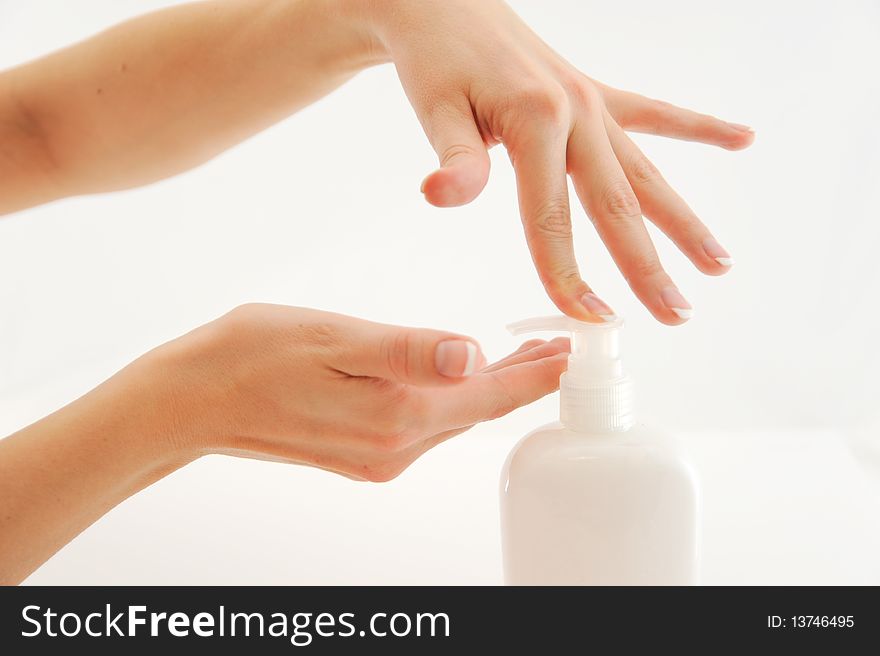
(597, 306)
(740, 127)
(424, 182)
(717, 252)
(456, 358)
(673, 299)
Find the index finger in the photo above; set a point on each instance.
(539, 160)
(493, 394)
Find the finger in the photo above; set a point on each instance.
(464, 160)
(414, 356)
(538, 351)
(525, 346)
(494, 394)
(641, 114)
(539, 162)
(665, 208)
(418, 449)
(614, 208)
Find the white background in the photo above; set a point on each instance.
(771, 383)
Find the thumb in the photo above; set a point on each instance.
(414, 356)
(464, 160)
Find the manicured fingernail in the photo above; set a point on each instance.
(424, 182)
(740, 127)
(673, 299)
(597, 306)
(717, 252)
(456, 358)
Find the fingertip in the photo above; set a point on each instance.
(454, 185)
(562, 343)
(707, 264)
(741, 137)
(673, 308)
(665, 303)
(559, 360)
(458, 358)
(543, 374)
(557, 364)
(528, 345)
(598, 308)
(713, 258)
(712, 267)
(575, 303)
(670, 317)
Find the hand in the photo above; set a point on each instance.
(477, 76)
(278, 383)
(354, 397)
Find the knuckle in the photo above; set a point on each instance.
(643, 170)
(661, 111)
(660, 107)
(505, 402)
(553, 218)
(399, 349)
(619, 202)
(584, 93)
(643, 267)
(658, 114)
(245, 313)
(504, 407)
(560, 284)
(241, 321)
(542, 102)
(453, 152)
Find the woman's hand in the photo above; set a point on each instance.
(477, 76)
(279, 383)
(354, 397)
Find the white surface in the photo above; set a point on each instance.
(324, 211)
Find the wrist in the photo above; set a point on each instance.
(351, 31)
(175, 399)
(387, 20)
(124, 431)
(147, 404)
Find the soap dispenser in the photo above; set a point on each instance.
(596, 498)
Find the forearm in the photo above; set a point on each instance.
(62, 473)
(167, 91)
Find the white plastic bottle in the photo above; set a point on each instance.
(596, 499)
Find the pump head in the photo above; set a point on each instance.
(594, 393)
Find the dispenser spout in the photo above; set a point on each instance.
(595, 392)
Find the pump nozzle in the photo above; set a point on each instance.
(594, 393)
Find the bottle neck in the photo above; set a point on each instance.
(601, 407)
